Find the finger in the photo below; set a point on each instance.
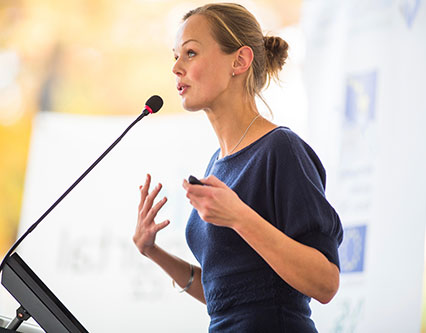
(141, 201)
(145, 190)
(194, 204)
(149, 200)
(161, 226)
(154, 211)
(197, 191)
(189, 187)
(213, 181)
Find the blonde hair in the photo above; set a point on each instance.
(233, 26)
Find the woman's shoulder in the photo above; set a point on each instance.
(283, 138)
(288, 146)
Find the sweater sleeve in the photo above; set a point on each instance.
(301, 209)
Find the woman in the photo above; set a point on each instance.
(264, 234)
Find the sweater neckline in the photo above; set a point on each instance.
(228, 157)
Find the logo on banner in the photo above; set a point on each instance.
(361, 99)
(352, 250)
(409, 9)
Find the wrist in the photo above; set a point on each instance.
(244, 218)
(190, 280)
(148, 251)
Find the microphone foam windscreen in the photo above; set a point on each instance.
(155, 103)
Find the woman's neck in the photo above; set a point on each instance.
(236, 125)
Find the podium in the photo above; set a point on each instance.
(24, 328)
(36, 300)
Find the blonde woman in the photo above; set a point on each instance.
(261, 229)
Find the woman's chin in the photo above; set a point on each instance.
(190, 107)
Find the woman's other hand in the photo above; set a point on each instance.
(215, 202)
(146, 228)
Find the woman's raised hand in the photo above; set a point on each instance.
(146, 228)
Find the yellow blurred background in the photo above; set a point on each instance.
(98, 57)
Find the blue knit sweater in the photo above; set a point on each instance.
(283, 180)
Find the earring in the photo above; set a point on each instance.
(233, 74)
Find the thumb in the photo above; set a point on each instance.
(161, 225)
(213, 181)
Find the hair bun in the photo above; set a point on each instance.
(276, 50)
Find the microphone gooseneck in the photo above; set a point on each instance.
(153, 105)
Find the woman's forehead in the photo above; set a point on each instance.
(195, 28)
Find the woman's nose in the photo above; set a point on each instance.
(177, 68)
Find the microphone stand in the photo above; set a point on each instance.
(16, 244)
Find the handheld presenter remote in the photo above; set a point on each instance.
(194, 181)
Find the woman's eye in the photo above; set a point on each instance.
(191, 53)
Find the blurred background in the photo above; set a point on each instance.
(97, 58)
(74, 73)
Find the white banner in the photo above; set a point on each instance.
(365, 74)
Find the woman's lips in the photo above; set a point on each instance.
(182, 88)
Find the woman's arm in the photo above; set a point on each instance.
(144, 239)
(178, 270)
(304, 268)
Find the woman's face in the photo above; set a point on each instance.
(203, 72)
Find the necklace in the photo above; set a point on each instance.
(241, 139)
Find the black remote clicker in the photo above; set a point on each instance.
(194, 181)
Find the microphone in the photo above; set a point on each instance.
(152, 105)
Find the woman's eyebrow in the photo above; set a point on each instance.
(187, 41)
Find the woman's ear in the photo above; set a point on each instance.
(243, 59)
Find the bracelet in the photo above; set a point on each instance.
(191, 279)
